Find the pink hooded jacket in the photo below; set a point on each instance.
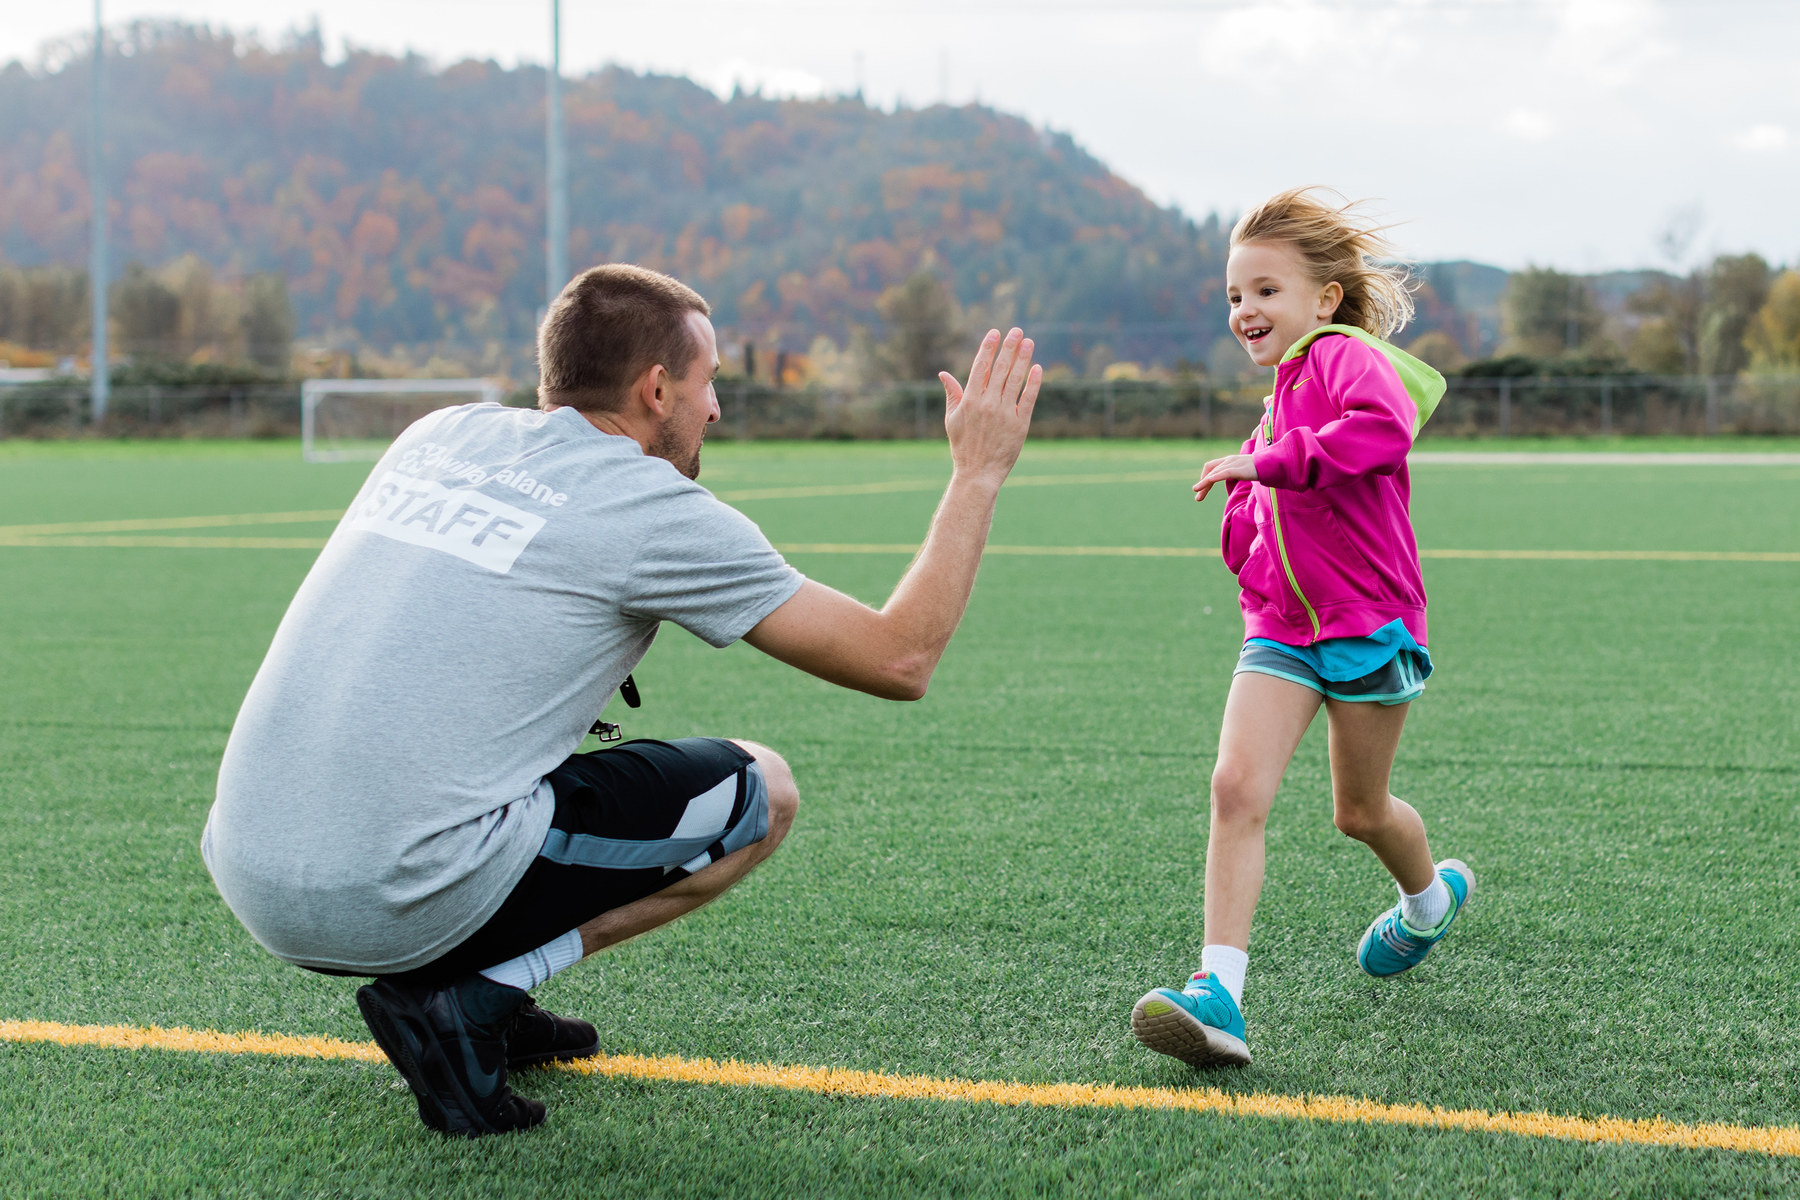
(1322, 543)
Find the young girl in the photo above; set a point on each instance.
(1317, 531)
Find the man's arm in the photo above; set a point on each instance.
(892, 651)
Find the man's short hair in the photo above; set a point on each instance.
(610, 325)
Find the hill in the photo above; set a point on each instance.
(404, 202)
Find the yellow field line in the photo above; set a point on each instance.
(170, 543)
(1655, 1131)
(1046, 551)
(1197, 552)
(1622, 555)
(1774, 1140)
(809, 491)
(1184, 475)
(129, 525)
(314, 543)
(202, 1041)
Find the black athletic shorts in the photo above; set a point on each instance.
(630, 820)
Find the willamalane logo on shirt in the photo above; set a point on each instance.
(459, 521)
(442, 459)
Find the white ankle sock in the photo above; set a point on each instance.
(529, 970)
(1227, 964)
(1425, 910)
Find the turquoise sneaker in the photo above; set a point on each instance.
(1200, 1024)
(1391, 946)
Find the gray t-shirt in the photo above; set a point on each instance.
(498, 576)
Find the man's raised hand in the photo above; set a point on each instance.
(987, 417)
(892, 651)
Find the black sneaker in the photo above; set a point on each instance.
(535, 1036)
(449, 1043)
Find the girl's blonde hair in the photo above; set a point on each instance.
(1336, 243)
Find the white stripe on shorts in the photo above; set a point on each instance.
(710, 811)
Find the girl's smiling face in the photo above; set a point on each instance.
(1273, 301)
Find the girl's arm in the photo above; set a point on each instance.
(1237, 529)
(1371, 435)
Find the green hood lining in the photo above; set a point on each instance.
(1421, 380)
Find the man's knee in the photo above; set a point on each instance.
(784, 796)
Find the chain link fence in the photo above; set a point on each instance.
(62, 409)
(1523, 406)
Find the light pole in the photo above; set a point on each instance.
(99, 386)
(556, 230)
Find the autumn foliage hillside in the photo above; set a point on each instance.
(404, 202)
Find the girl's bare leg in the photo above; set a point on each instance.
(1265, 718)
(1364, 739)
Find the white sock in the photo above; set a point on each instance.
(1227, 964)
(1425, 910)
(529, 970)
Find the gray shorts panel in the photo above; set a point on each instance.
(1399, 681)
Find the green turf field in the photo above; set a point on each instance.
(981, 884)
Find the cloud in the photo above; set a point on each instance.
(775, 82)
(1608, 42)
(1527, 125)
(1761, 139)
(1249, 40)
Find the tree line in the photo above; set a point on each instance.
(404, 203)
(1735, 314)
(179, 313)
(394, 210)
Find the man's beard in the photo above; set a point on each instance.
(671, 445)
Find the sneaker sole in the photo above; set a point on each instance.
(398, 1049)
(1179, 1034)
(1449, 864)
(1461, 868)
(462, 1120)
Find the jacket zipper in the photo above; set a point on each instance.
(1287, 567)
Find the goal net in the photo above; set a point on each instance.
(343, 420)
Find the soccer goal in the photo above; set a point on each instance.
(344, 420)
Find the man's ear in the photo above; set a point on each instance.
(652, 390)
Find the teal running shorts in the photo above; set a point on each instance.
(1399, 681)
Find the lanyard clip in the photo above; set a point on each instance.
(608, 731)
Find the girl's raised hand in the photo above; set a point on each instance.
(1232, 466)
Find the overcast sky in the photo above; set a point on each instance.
(1573, 133)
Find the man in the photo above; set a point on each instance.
(401, 797)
